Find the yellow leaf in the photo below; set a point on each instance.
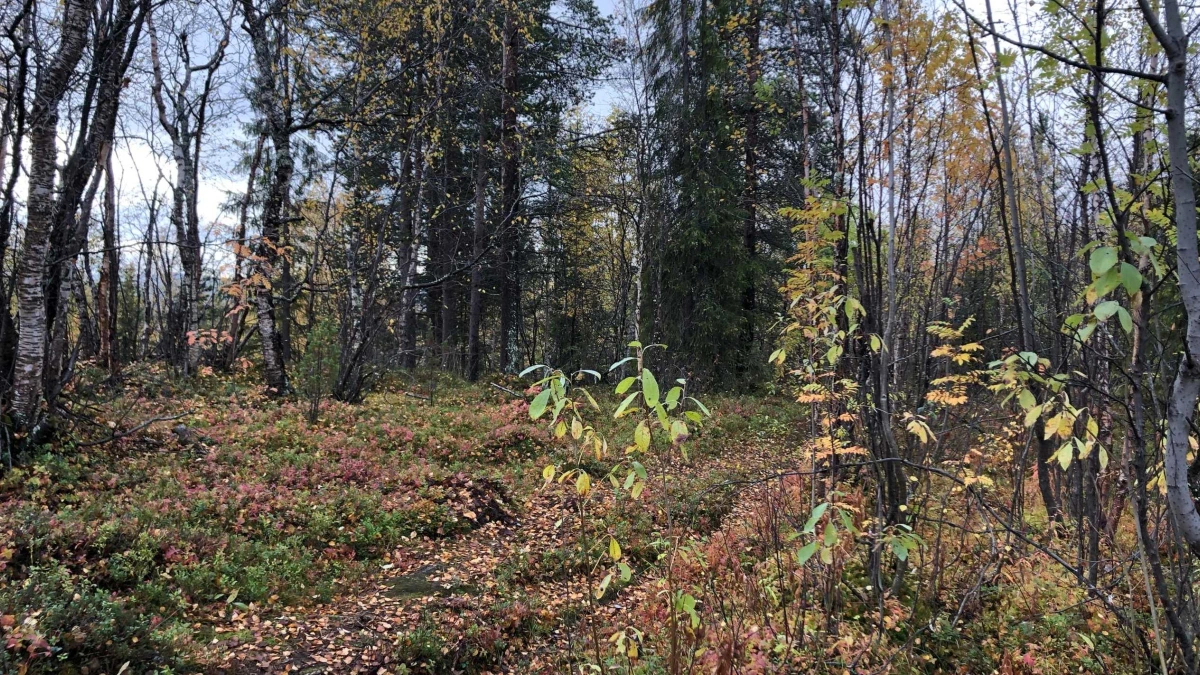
(919, 430)
(641, 436)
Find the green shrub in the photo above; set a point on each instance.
(59, 620)
(318, 368)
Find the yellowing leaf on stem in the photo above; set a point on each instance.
(1032, 415)
(641, 436)
(919, 429)
(679, 432)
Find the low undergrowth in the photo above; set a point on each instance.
(124, 547)
(112, 549)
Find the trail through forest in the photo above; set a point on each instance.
(601, 337)
(448, 584)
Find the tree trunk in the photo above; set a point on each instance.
(239, 256)
(750, 189)
(1186, 387)
(31, 271)
(510, 285)
(408, 255)
(475, 320)
(269, 98)
(106, 300)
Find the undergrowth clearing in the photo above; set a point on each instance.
(411, 535)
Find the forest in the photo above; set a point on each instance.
(613, 337)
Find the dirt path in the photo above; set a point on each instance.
(438, 607)
(447, 583)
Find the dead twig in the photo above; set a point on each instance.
(129, 432)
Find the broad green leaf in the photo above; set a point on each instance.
(687, 602)
(1131, 278)
(899, 549)
(1102, 259)
(538, 407)
(1026, 399)
(649, 387)
(530, 369)
(624, 385)
(806, 552)
(639, 469)
(626, 572)
(620, 363)
(1063, 455)
(830, 537)
(641, 436)
(853, 306)
(1086, 331)
(1125, 319)
(624, 407)
(1106, 309)
(816, 516)
(1106, 283)
(701, 406)
(548, 473)
(1032, 415)
(847, 521)
(679, 432)
(663, 420)
(834, 353)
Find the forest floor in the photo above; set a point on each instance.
(445, 603)
(403, 534)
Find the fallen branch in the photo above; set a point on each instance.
(508, 391)
(134, 430)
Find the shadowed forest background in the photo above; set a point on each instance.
(660, 336)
